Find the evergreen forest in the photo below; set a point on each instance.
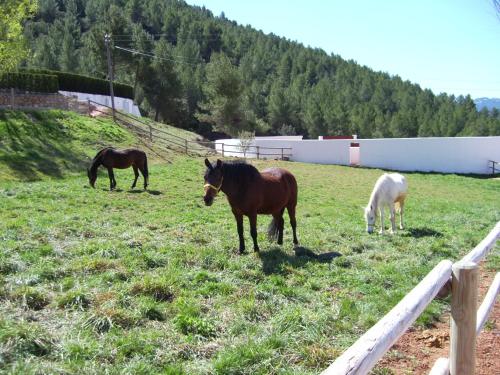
(206, 73)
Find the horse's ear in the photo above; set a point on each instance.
(207, 163)
(219, 163)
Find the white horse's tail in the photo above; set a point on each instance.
(397, 206)
(399, 202)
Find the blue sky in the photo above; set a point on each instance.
(448, 46)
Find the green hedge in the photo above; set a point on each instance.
(29, 82)
(80, 83)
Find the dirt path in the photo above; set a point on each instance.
(417, 350)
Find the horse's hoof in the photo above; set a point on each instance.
(256, 250)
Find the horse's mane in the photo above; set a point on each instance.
(100, 153)
(240, 171)
(96, 160)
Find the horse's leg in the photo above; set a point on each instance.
(112, 182)
(291, 213)
(239, 224)
(393, 217)
(144, 176)
(114, 179)
(401, 209)
(381, 209)
(253, 230)
(281, 226)
(279, 222)
(136, 175)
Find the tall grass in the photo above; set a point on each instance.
(93, 281)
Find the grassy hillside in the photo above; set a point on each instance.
(93, 281)
(37, 144)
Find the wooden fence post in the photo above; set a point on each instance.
(150, 133)
(186, 145)
(463, 318)
(282, 154)
(257, 152)
(222, 149)
(12, 98)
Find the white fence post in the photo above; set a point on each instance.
(463, 318)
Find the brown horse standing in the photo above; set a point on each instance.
(111, 158)
(250, 193)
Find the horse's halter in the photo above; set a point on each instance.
(210, 186)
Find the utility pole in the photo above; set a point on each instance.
(107, 41)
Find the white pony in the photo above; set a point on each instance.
(390, 189)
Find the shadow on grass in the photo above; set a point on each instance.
(274, 260)
(29, 151)
(140, 191)
(422, 232)
(469, 175)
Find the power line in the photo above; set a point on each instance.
(175, 56)
(153, 56)
(130, 37)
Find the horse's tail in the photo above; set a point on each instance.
(273, 230)
(146, 170)
(397, 206)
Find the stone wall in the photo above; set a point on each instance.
(16, 100)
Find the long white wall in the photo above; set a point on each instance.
(307, 151)
(444, 154)
(122, 104)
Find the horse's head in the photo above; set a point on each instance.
(92, 175)
(213, 181)
(370, 218)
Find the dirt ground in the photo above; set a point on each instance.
(418, 349)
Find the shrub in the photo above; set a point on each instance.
(34, 82)
(81, 83)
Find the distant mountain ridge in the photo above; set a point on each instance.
(489, 103)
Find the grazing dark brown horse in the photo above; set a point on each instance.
(111, 158)
(250, 192)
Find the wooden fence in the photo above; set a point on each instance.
(260, 152)
(495, 166)
(187, 146)
(466, 323)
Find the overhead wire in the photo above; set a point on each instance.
(154, 56)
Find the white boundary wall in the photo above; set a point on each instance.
(444, 154)
(123, 104)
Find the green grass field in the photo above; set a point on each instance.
(121, 282)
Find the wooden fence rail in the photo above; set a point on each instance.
(466, 323)
(186, 145)
(494, 168)
(364, 353)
